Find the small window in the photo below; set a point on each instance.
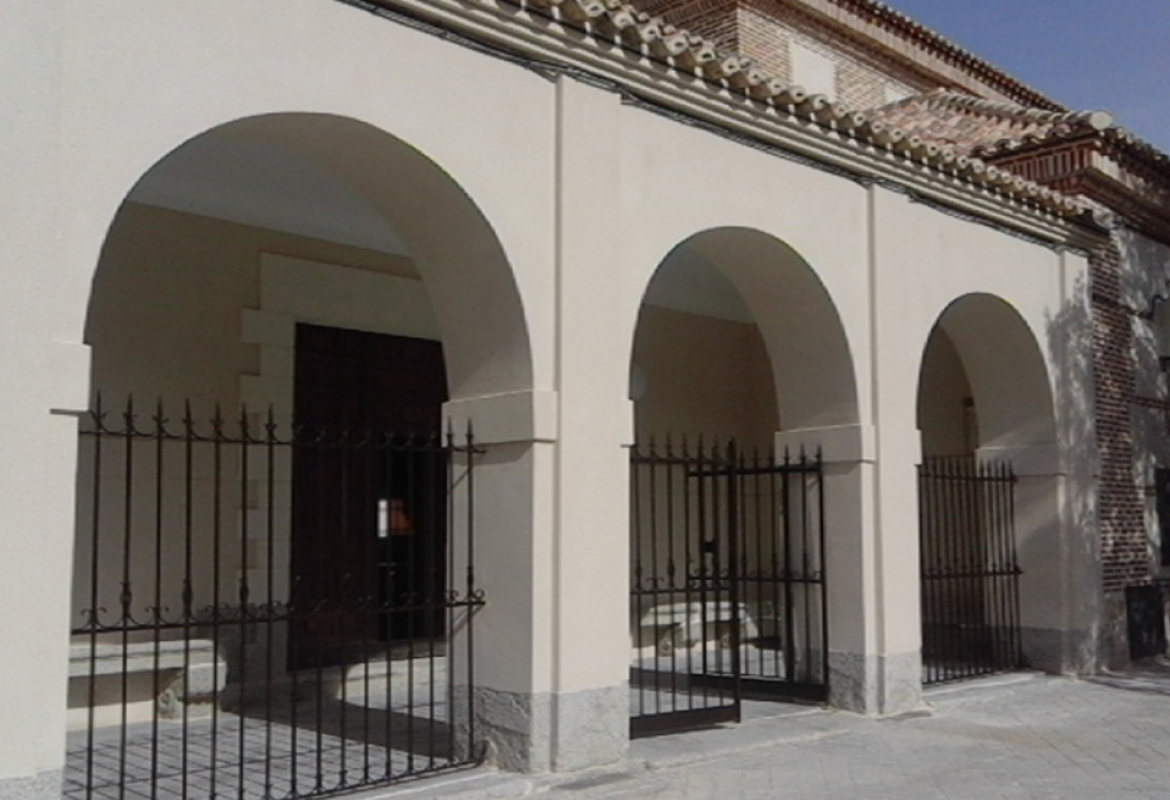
(1146, 621)
(1161, 326)
(1162, 498)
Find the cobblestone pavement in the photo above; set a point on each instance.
(1020, 737)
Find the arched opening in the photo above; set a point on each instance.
(737, 358)
(700, 365)
(987, 490)
(271, 513)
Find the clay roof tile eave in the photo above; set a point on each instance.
(947, 49)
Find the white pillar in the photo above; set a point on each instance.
(512, 518)
(552, 643)
(590, 559)
(863, 676)
(37, 470)
(37, 489)
(889, 676)
(1057, 555)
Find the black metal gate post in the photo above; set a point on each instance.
(728, 592)
(210, 660)
(682, 595)
(783, 574)
(970, 575)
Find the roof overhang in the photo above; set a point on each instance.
(1094, 167)
(605, 42)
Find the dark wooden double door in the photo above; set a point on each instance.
(368, 536)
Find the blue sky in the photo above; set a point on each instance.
(1112, 55)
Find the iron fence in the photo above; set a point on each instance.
(728, 592)
(267, 611)
(970, 575)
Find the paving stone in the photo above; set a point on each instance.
(1019, 737)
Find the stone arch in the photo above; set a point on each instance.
(756, 352)
(755, 277)
(358, 229)
(985, 395)
(469, 282)
(1000, 359)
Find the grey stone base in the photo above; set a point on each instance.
(592, 728)
(876, 685)
(43, 786)
(1061, 652)
(548, 732)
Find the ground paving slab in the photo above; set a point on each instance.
(1014, 737)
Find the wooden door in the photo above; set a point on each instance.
(368, 496)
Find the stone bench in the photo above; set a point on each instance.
(189, 671)
(683, 625)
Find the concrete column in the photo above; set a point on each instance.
(862, 677)
(889, 676)
(38, 467)
(512, 518)
(590, 625)
(552, 644)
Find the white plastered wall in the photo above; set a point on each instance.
(702, 376)
(1009, 368)
(189, 309)
(916, 260)
(793, 241)
(586, 196)
(106, 120)
(41, 370)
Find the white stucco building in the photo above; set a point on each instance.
(618, 230)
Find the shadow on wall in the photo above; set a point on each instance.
(1146, 289)
(1147, 267)
(1071, 337)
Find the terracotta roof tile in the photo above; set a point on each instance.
(987, 129)
(897, 128)
(909, 28)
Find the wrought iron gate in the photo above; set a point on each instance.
(209, 661)
(728, 595)
(970, 576)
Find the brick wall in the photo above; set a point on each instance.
(864, 80)
(764, 41)
(1121, 506)
(859, 88)
(711, 19)
(765, 31)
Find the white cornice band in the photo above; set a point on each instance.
(725, 91)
